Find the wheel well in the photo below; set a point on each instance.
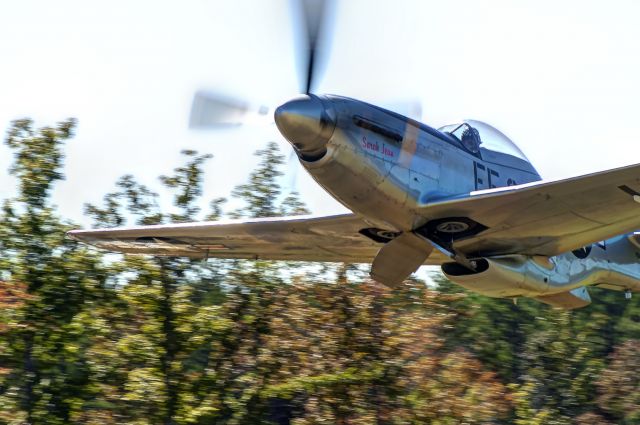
(446, 230)
(378, 235)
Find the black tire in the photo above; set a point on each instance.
(379, 235)
(452, 228)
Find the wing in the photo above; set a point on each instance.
(305, 238)
(548, 218)
(542, 218)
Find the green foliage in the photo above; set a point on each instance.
(103, 339)
(351, 352)
(262, 193)
(619, 384)
(494, 329)
(188, 181)
(553, 360)
(52, 280)
(37, 158)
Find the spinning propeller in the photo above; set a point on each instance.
(212, 109)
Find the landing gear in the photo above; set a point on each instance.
(452, 226)
(379, 235)
(446, 230)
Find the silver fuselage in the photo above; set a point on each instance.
(388, 168)
(389, 181)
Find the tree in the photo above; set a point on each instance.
(87, 338)
(261, 194)
(241, 366)
(350, 352)
(619, 384)
(495, 330)
(551, 359)
(52, 280)
(152, 336)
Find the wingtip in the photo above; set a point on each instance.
(74, 234)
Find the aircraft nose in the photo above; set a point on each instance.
(307, 124)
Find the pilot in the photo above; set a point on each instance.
(471, 139)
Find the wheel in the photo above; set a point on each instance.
(379, 235)
(451, 228)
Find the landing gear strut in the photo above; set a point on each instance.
(445, 231)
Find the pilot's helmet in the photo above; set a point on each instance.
(471, 139)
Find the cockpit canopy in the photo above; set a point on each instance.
(477, 135)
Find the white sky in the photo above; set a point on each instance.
(560, 78)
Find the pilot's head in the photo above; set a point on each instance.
(471, 139)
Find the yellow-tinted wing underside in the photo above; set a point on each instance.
(305, 238)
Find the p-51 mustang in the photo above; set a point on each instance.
(463, 197)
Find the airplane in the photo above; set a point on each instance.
(463, 197)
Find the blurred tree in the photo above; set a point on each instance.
(619, 385)
(591, 418)
(152, 335)
(187, 181)
(51, 280)
(261, 195)
(619, 317)
(98, 340)
(353, 352)
(241, 367)
(495, 330)
(550, 358)
(563, 357)
(201, 325)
